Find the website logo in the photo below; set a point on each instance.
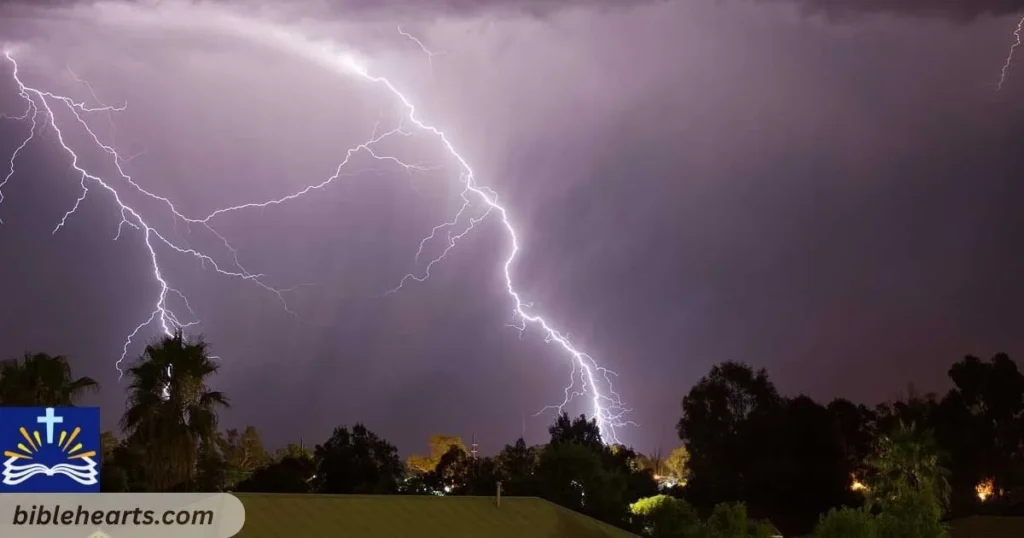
(50, 449)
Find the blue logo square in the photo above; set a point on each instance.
(50, 449)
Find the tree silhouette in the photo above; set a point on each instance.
(577, 431)
(727, 419)
(517, 465)
(291, 474)
(357, 461)
(171, 410)
(788, 459)
(41, 380)
(981, 425)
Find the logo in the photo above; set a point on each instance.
(50, 450)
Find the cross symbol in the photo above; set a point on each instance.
(49, 419)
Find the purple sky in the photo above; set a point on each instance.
(692, 182)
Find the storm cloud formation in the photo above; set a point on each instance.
(837, 10)
(695, 181)
(958, 10)
(391, 8)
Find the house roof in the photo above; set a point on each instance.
(401, 516)
(987, 527)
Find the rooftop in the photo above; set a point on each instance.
(372, 516)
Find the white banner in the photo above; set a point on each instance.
(120, 515)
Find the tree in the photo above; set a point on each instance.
(578, 471)
(517, 465)
(290, 474)
(243, 454)
(640, 482)
(171, 410)
(578, 431)
(460, 474)
(356, 461)
(915, 514)
(906, 462)
(725, 416)
(730, 520)
(439, 446)
(790, 459)
(123, 469)
(855, 429)
(293, 450)
(41, 380)
(108, 443)
(907, 485)
(980, 423)
(662, 516)
(112, 477)
(212, 470)
(677, 465)
(573, 475)
(800, 468)
(846, 523)
(452, 470)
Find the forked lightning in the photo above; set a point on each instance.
(588, 378)
(1009, 56)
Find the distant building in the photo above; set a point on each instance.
(426, 516)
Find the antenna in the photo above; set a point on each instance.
(474, 449)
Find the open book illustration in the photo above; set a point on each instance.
(16, 471)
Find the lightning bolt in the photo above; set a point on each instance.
(588, 379)
(39, 113)
(1009, 56)
(430, 54)
(607, 406)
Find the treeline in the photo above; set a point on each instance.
(751, 460)
(792, 459)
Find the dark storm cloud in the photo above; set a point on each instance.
(836, 10)
(958, 10)
(695, 181)
(400, 7)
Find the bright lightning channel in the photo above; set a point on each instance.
(587, 379)
(39, 113)
(1009, 56)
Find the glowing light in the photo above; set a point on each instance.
(857, 485)
(587, 379)
(668, 481)
(1009, 56)
(985, 489)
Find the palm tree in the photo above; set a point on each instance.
(171, 411)
(907, 463)
(39, 380)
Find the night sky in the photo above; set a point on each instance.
(832, 195)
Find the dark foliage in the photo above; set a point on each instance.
(356, 461)
(749, 453)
